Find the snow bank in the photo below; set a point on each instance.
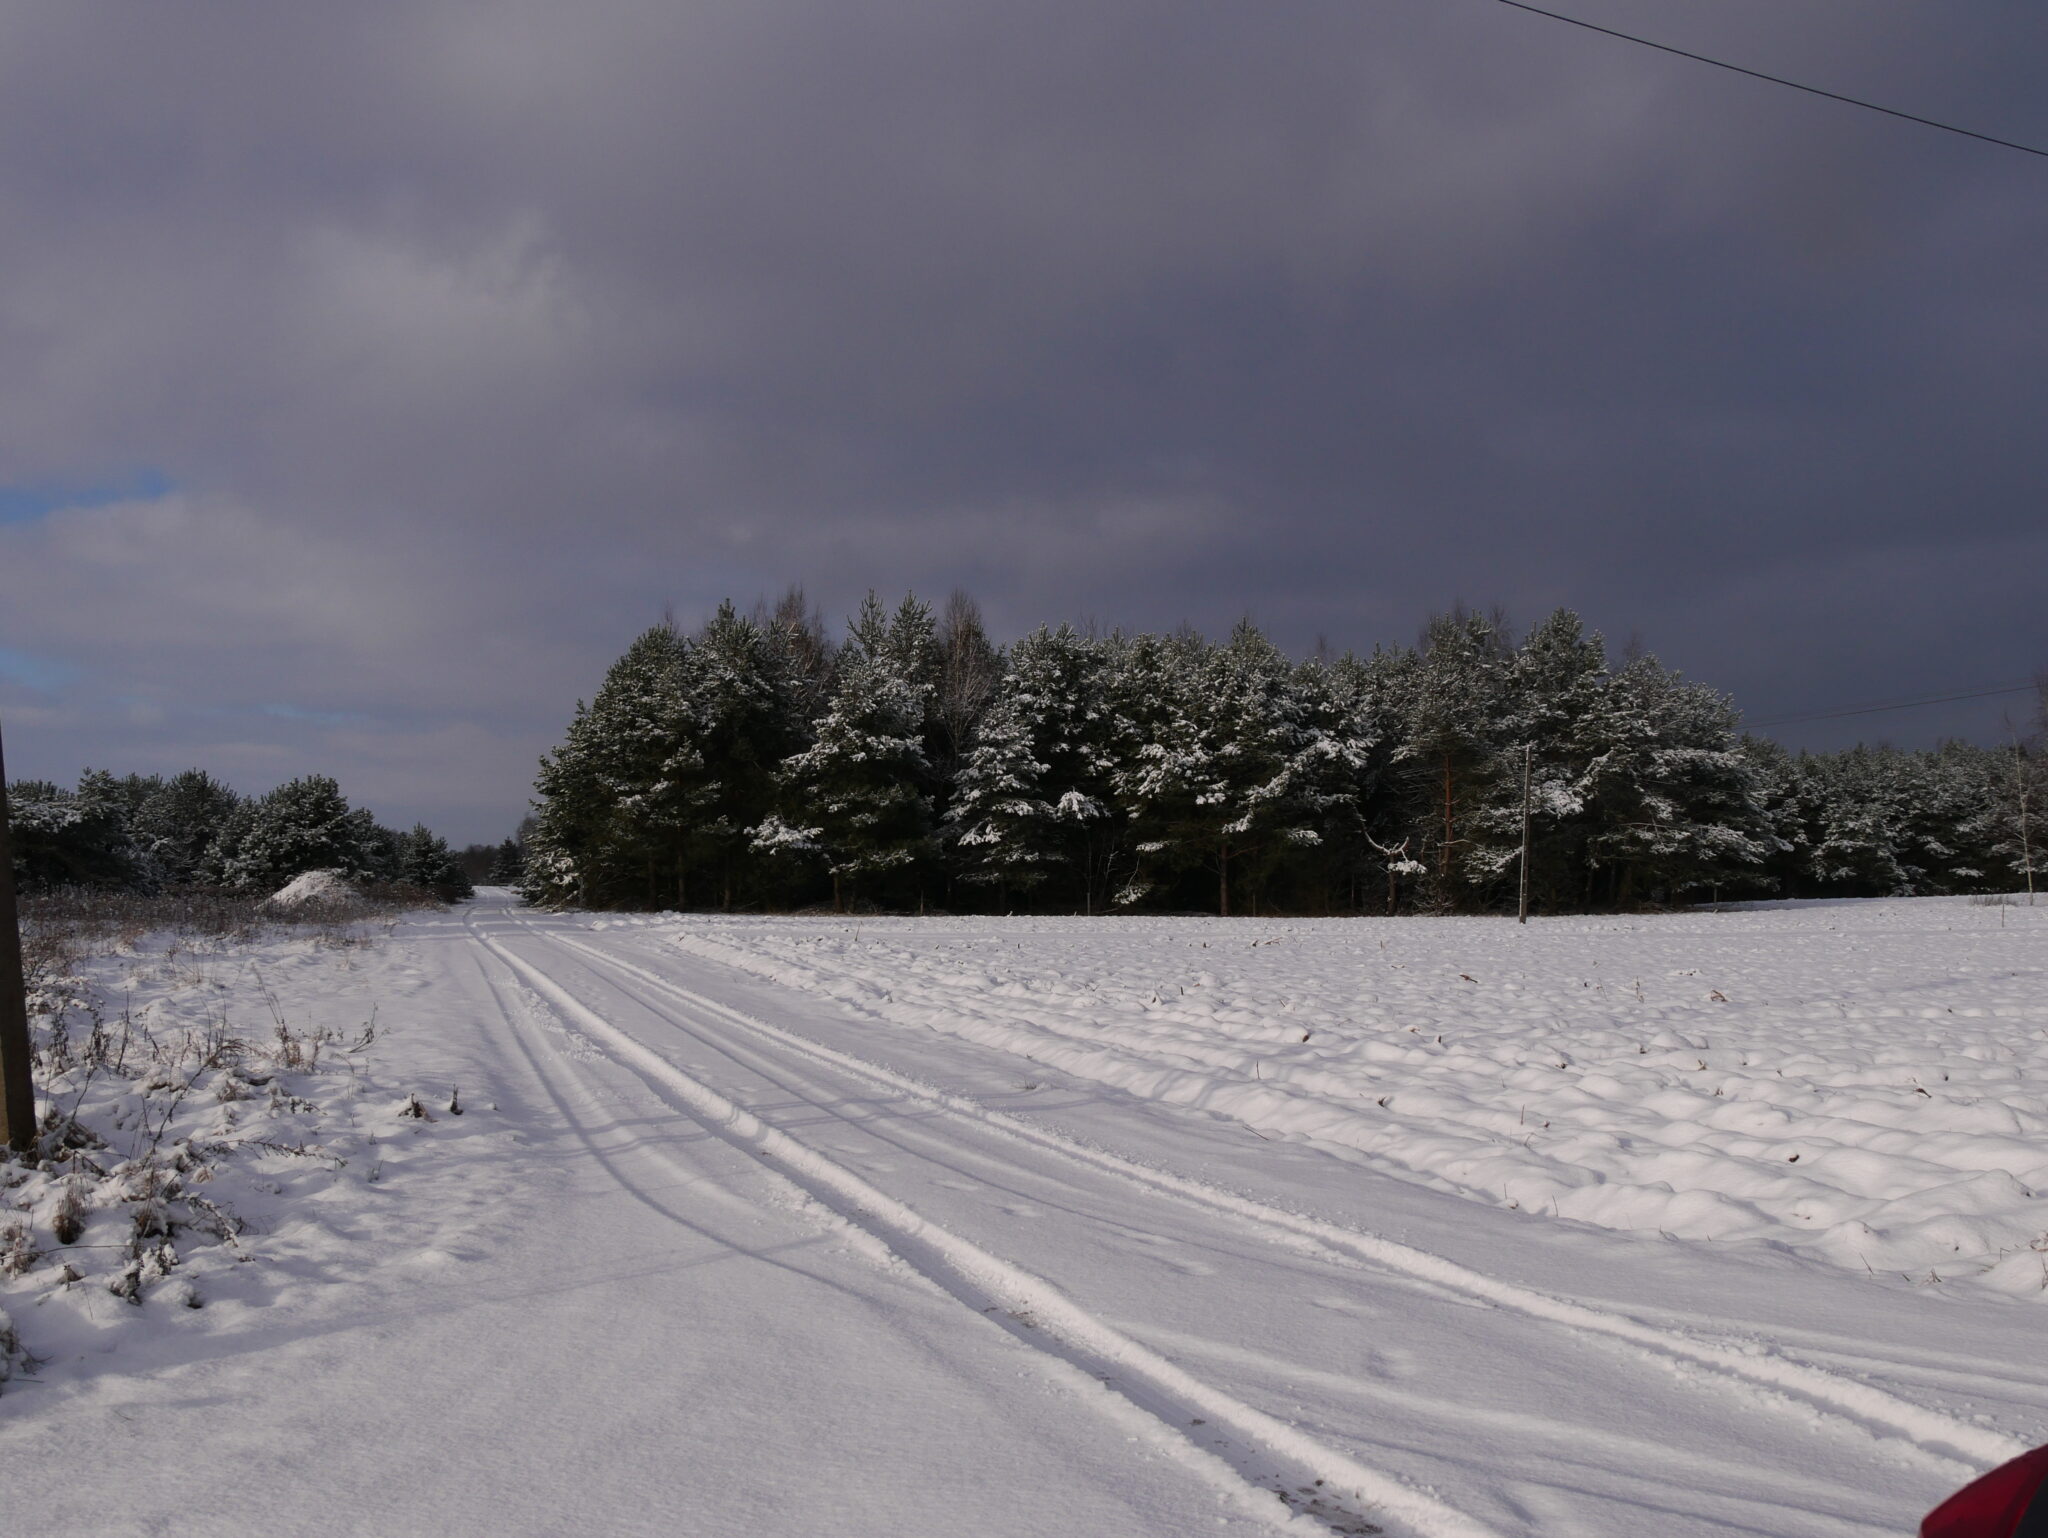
(315, 886)
(1860, 1085)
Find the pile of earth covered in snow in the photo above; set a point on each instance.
(1859, 1082)
(316, 888)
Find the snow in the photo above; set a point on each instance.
(315, 886)
(1036, 1227)
(1852, 1083)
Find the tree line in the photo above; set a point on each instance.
(151, 833)
(756, 764)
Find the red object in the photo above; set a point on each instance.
(2009, 1502)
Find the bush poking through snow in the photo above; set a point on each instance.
(157, 1125)
(60, 928)
(141, 1128)
(13, 1358)
(67, 1223)
(18, 1252)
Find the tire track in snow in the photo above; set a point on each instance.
(1245, 1446)
(1875, 1410)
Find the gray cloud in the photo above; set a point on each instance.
(472, 335)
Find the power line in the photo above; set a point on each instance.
(1871, 710)
(1757, 74)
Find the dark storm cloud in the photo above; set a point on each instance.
(465, 336)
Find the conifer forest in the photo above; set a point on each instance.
(149, 833)
(919, 765)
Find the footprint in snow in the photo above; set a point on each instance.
(1392, 1362)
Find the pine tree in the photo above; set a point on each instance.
(1551, 699)
(508, 867)
(970, 669)
(1149, 682)
(1338, 774)
(1032, 799)
(1784, 800)
(649, 770)
(1229, 776)
(570, 815)
(804, 654)
(1372, 843)
(745, 711)
(856, 800)
(1451, 745)
(176, 825)
(425, 860)
(2011, 823)
(1671, 801)
(615, 802)
(303, 825)
(68, 837)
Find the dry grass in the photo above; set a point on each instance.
(60, 928)
(140, 1118)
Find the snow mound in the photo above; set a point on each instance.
(315, 886)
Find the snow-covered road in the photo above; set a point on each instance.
(712, 1254)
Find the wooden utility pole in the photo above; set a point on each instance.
(17, 1089)
(1528, 754)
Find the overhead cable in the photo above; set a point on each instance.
(1757, 74)
(1871, 710)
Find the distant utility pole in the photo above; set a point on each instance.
(1528, 754)
(17, 1089)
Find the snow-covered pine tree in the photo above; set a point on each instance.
(1783, 799)
(1371, 838)
(1941, 832)
(1148, 722)
(1550, 699)
(1031, 802)
(2011, 823)
(1670, 800)
(970, 670)
(177, 823)
(425, 860)
(1852, 841)
(650, 767)
(305, 824)
(856, 801)
(803, 652)
(508, 865)
(567, 820)
(1228, 776)
(382, 848)
(613, 803)
(1451, 744)
(746, 716)
(54, 845)
(1337, 776)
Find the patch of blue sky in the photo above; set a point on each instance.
(42, 673)
(26, 501)
(315, 717)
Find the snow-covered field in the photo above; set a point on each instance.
(1701, 1224)
(1855, 1082)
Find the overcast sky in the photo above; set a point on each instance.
(370, 373)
